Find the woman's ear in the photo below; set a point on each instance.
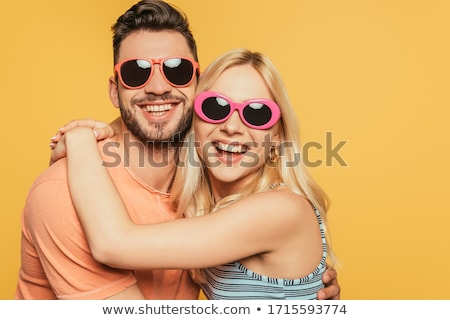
(275, 139)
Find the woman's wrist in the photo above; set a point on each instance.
(80, 136)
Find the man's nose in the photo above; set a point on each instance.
(158, 84)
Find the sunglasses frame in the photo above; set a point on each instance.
(160, 62)
(240, 106)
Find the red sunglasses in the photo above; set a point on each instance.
(136, 73)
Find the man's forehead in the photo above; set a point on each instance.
(154, 44)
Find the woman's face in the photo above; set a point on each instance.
(232, 151)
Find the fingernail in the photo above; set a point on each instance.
(53, 138)
(52, 145)
(96, 133)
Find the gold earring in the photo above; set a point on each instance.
(273, 156)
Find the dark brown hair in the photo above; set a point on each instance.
(152, 15)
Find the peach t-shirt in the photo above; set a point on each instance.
(55, 258)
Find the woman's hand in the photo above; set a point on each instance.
(102, 130)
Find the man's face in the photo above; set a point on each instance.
(159, 111)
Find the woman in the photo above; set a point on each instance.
(265, 238)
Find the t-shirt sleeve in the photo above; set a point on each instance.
(55, 253)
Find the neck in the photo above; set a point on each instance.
(153, 163)
(222, 189)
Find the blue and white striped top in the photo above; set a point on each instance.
(233, 281)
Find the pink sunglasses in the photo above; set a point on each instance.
(214, 107)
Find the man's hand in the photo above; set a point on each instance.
(332, 290)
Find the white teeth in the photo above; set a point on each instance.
(231, 147)
(159, 108)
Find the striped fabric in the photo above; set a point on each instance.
(233, 281)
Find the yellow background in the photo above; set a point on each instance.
(374, 73)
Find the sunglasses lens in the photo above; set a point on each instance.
(215, 108)
(135, 73)
(178, 71)
(257, 114)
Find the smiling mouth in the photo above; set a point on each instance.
(157, 110)
(230, 148)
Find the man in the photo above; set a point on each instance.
(155, 95)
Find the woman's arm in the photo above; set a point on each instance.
(101, 129)
(246, 227)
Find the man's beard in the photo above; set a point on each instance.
(157, 136)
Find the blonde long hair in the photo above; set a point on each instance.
(191, 192)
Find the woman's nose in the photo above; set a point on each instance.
(233, 125)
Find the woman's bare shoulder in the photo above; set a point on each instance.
(282, 201)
